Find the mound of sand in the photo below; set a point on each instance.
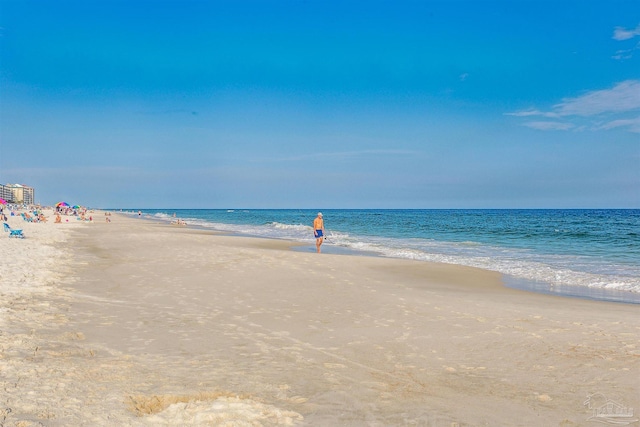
(212, 409)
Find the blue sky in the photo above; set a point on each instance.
(309, 104)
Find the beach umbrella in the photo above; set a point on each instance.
(77, 207)
(62, 204)
(2, 201)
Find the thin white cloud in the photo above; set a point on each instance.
(623, 98)
(624, 54)
(620, 33)
(530, 113)
(549, 125)
(338, 155)
(633, 125)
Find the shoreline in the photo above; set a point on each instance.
(580, 292)
(138, 323)
(509, 281)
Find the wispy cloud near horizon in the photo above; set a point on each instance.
(533, 113)
(338, 155)
(623, 98)
(549, 125)
(632, 124)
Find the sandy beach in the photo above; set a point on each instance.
(142, 323)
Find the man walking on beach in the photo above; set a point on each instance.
(318, 230)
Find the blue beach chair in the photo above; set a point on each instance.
(13, 232)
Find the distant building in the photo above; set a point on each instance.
(5, 193)
(18, 194)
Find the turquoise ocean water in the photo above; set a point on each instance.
(588, 253)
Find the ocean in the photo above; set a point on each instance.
(591, 253)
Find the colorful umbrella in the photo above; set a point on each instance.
(2, 201)
(77, 207)
(62, 204)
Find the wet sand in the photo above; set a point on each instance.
(141, 323)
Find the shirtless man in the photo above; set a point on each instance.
(318, 230)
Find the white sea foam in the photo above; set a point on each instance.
(296, 227)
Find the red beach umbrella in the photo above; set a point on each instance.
(2, 201)
(62, 204)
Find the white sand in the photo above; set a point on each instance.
(139, 323)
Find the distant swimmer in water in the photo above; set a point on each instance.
(318, 230)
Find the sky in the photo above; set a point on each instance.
(322, 104)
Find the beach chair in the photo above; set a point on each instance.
(12, 231)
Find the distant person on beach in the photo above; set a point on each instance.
(139, 214)
(318, 230)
